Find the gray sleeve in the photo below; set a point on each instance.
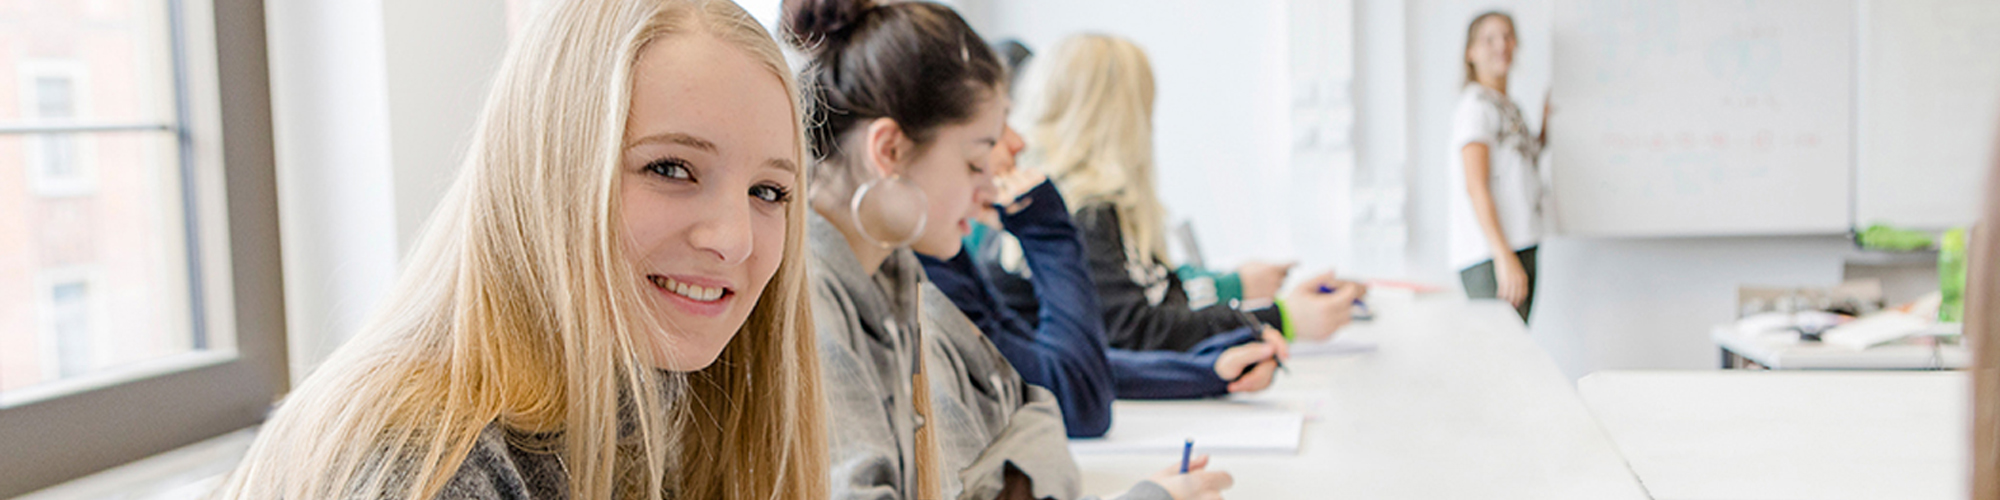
(1034, 442)
(1145, 490)
(488, 473)
(865, 459)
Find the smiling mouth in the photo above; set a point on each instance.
(695, 293)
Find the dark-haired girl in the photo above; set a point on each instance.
(910, 104)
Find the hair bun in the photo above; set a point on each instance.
(810, 23)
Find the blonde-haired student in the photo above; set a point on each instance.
(912, 105)
(610, 301)
(1496, 206)
(1087, 108)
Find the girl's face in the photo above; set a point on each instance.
(956, 175)
(999, 163)
(705, 180)
(1492, 50)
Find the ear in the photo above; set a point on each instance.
(886, 146)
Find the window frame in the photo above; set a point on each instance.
(218, 49)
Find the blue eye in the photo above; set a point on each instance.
(671, 168)
(771, 193)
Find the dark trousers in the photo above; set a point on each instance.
(1481, 284)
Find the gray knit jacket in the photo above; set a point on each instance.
(987, 417)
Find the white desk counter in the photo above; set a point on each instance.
(1455, 402)
(1788, 435)
(1784, 351)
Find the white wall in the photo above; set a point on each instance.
(371, 105)
(1222, 116)
(441, 58)
(336, 204)
(1381, 136)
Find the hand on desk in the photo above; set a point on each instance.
(1197, 484)
(1251, 366)
(1316, 315)
(1262, 279)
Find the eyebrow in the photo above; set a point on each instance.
(782, 164)
(675, 138)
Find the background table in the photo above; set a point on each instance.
(1784, 351)
(1746, 435)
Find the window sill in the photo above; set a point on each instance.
(190, 472)
(107, 378)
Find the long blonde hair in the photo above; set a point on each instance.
(1087, 107)
(519, 307)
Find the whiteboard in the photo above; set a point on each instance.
(1930, 82)
(1702, 117)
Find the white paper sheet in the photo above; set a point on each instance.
(1162, 429)
(1335, 347)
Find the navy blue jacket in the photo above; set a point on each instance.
(1065, 350)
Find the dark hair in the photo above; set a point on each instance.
(917, 63)
(1469, 32)
(1015, 54)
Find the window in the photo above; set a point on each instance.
(54, 99)
(106, 192)
(56, 162)
(140, 303)
(66, 313)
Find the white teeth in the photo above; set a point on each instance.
(698, 293)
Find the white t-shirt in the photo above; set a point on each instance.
(1484, 116)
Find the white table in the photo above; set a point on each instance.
(1788, 435)
(1456, 402)
(1784, 351)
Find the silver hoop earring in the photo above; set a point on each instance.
(889, 211)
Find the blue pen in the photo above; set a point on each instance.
(1187, 450)
(1357, 302)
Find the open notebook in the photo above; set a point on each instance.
(1161, 429)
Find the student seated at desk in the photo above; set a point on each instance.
(543, 341)
(1087, 108)
(1065, 351)
(923, 405)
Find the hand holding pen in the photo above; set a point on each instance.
(1192, 480)
(1319, 306)
(1361, 312)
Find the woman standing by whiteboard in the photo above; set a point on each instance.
(1497, 224)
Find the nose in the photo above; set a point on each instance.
(1012, 140)
(722, 229)
(984, 194)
